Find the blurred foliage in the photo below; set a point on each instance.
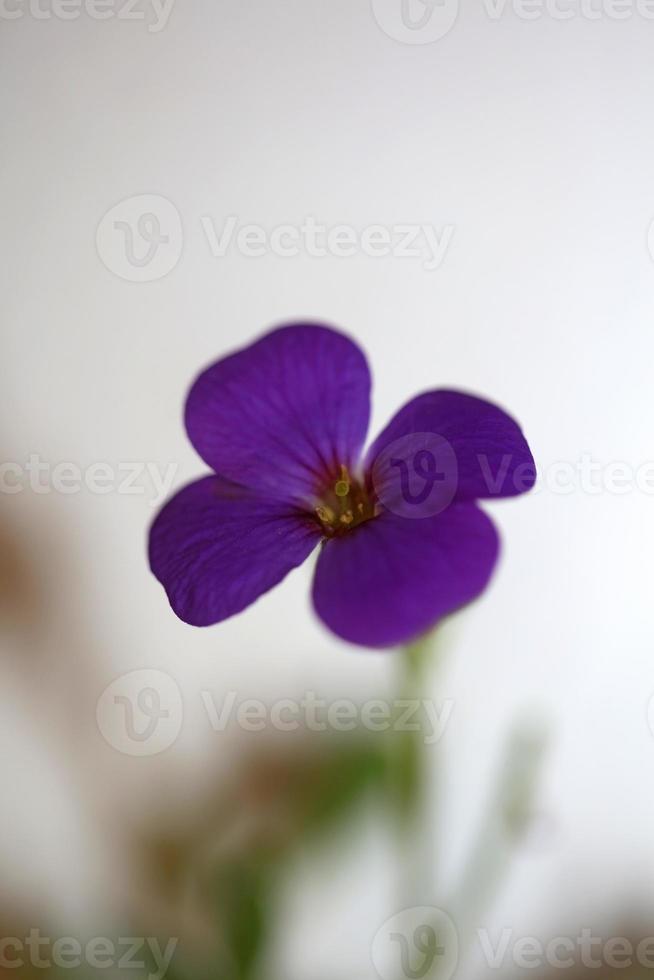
(217, 877)
(298, 796)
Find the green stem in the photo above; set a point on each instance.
(506, 818)
(410, 780)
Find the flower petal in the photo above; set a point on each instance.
(216, 547)
(492, 455)
(283, 414)
(391, 579)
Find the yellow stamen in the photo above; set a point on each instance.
(325, 514)
(347, 517)
(342, 487)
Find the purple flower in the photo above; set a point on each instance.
(282, 424)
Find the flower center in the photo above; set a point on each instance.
(344, 505)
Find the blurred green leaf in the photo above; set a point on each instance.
(242, 895)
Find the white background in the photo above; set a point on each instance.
(534, 140)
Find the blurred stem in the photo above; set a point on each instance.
(506, 820)
(506, 816)
(244, 892)
(409, 777)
